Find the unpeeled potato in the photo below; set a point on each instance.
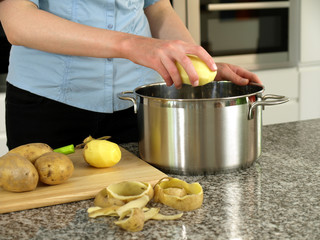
(54, 168)
(32, 151)
(17, 174)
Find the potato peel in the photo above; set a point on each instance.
(102, 200)
(153, 213)
(129, 190)
(150, 213)
(128, 201)
(91, 209)
(137, 203)
(175, 191)
(88, 139)
(134, 222)
(108, 211)
(160, 216)
(191, 201)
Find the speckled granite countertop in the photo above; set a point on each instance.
(277, 198)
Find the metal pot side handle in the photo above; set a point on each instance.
(267, 100)
(124, 96)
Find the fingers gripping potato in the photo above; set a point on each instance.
(204, 73)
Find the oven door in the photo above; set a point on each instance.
(255, 34)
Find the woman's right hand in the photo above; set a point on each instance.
(162, 55)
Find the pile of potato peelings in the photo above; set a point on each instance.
(128, 200)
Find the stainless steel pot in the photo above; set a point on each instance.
(200, 130)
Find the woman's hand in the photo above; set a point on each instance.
(162, 55)
(165, 24)
(236, 74)
(171, 43)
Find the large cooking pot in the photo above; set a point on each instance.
(200, 130)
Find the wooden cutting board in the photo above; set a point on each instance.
(85, 183)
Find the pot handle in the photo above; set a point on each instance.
(274, 100)
(123, 96)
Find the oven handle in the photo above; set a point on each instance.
(246, 6)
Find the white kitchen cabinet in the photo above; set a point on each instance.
(284, 82)
(3, 139)
(310, 31)
(309, 92)
(300, 84)
(309, 62)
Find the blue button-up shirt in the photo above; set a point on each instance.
(85, 82)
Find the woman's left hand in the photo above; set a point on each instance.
(235, 74)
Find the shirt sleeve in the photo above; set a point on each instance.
(149, 2)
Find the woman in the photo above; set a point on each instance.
(69, 60)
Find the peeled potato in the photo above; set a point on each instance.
(204, 72)
(173, 198)
(32, 151)
(101, 153)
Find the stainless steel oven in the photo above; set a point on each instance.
(254, 33)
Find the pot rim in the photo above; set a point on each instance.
(198, 99)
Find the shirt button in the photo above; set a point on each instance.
(110, 26)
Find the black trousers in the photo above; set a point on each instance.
(32, 118)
